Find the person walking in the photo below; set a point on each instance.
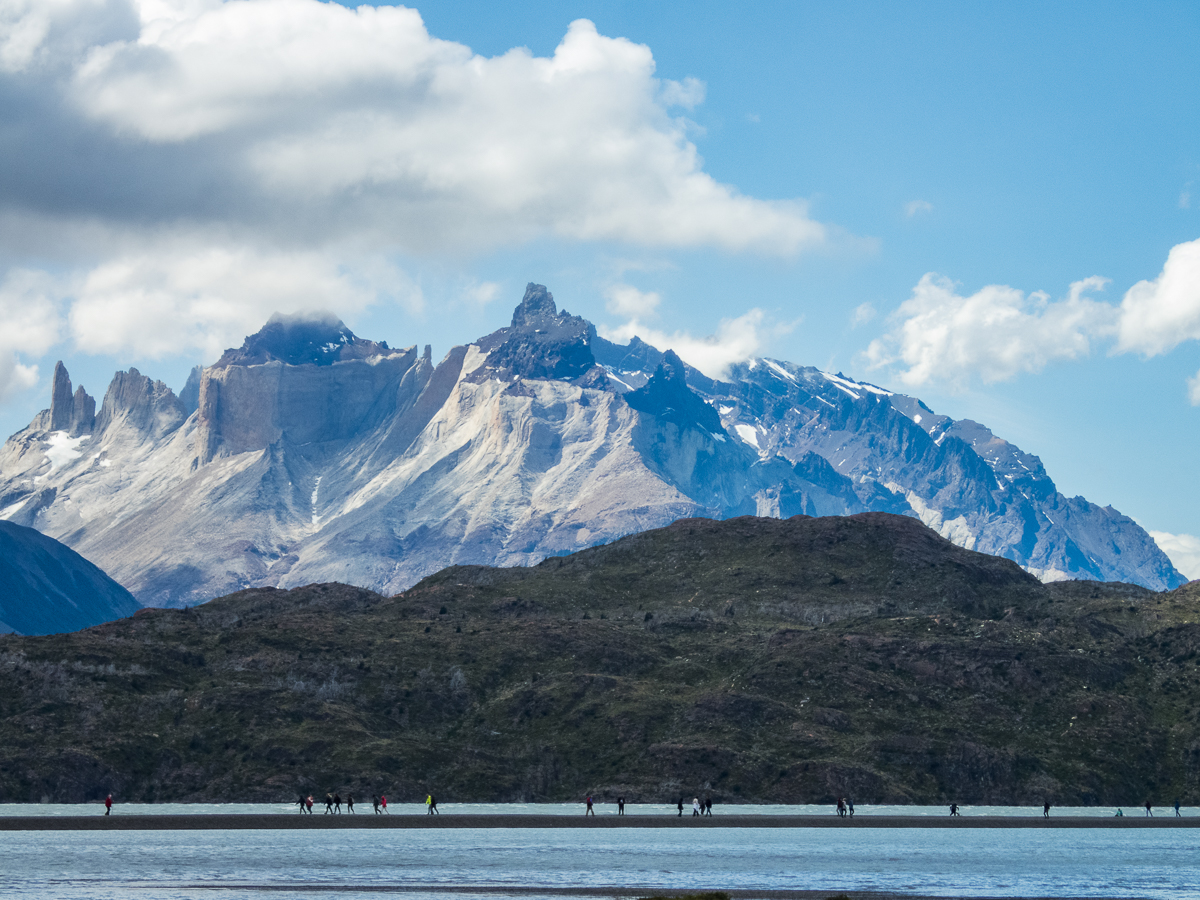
(589, 811)
(1177, 809)
(1046, 810)
(300, 803)
(328, 803)
(308, 804)
(620, 806)
(695, 806)
(337, 803)
(841, 807)
(108, 804)
(850, 807)
(383, 803)
(708, 806)
(375, 803)
(433, 804)
(1149, 812)
(429, 804)
(954, 809)
(680, 807)
(349, 803)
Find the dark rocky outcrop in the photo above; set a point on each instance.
(47, 588)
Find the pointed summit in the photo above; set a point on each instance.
(538, 303)
(74, 413)
(668, 397)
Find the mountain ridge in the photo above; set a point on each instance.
(313, 455)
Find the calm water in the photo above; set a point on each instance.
(326, 864)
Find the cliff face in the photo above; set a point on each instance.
(310, 454)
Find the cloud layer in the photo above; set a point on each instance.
(267, 137)
(941, 336)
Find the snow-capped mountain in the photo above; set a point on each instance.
(310, 454)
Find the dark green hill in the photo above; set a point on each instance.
(46, 587)
(751, 659)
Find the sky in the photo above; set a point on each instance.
(993, 207)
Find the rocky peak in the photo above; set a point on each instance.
(536, 305)
(302, 339)
(147, 405)
(73, 413)
(668, 397)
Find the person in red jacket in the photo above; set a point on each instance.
(108, 804)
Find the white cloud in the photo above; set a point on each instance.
(736, 340)
(862, 314)
(1183, 550)
(629, 303)
(917, 207)
(312, 121)
(179, 297)
(482, 293)
(1194, 389)
(996, 333)
(1158, 315)
(30, 326)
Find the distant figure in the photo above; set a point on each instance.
(1177, 809)
(850, 807)
(1149, 811)
(589, 811)
(708, 806)
(841, 807)
(620, 806)
(308, 804)
(328, 803)
(695, 806)
(1120, 813)
(300, 803)
(383, 803)
(679, 805)
(108, 804)
(337, 803)
(954, 809)
(1046, 810)
(375, 803)
(433, 804)
(349, 803)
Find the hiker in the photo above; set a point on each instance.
(308, 804)
(841, 807)
(1046, 810)
(375, 803)
(300, 803)
(680, 806)
(589, 811)
(1149, 812)
(954, 809)
(708, 806)
(108, 804)
(349, 803)
(337, 803)
(433, 804)
(383, 803)
(328, 803)
(620, 806)
(429, 804)
(850, 807)
(695, 806)
(1177, 809)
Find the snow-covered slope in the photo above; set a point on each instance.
(312, 455)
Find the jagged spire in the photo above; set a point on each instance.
(536, 304)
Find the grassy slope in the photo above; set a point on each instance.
(751, 659)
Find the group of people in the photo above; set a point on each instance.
(333, 803)
(698, 808)
(845, 807)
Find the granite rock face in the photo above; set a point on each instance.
(312, 455)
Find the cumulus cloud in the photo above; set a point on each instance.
(917, 207)
(630, 303)
(30, 315)
(735, 340)
(312, 120)
(862, 314)
(1158, 315)
(1182, 549)
(996, 333)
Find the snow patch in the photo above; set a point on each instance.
(749, 434)
(717, 437)
(316, 520)
(62, 449)
(917, 419)
(780, 370)
(725, 410)
(955, 530)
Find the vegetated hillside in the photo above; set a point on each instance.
(46, 587)
(749, 659)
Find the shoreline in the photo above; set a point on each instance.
(252, 821)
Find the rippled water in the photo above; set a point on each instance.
(1010, 862)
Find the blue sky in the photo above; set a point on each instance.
(902, 192)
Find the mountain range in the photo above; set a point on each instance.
(310, 454)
